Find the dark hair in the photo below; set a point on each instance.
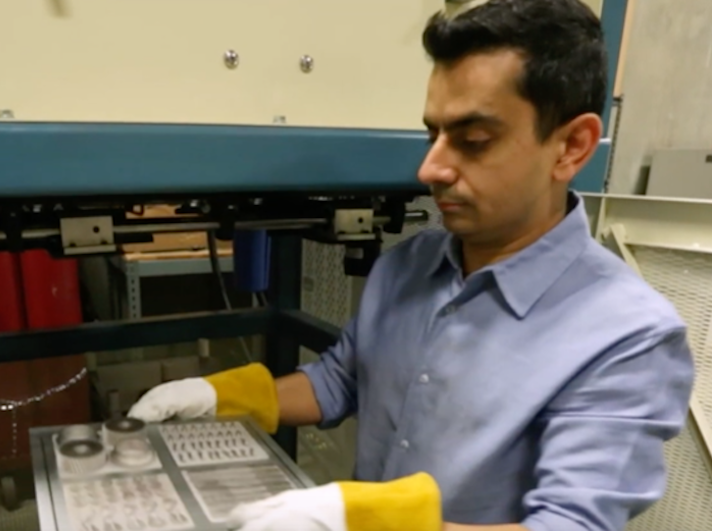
(561, 41)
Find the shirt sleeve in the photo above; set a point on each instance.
(333, 378)
(601, 458)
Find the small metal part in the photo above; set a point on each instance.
(78, 432)
(353, 221)
(82, 456)
(87, 235)
(125, 428)
(281, 120)
(306, 63)
(231, 59)
(132, 453)
(7, 114)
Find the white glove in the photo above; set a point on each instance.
(186, 399)
(315, 509)
(411, 503)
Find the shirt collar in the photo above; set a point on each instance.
(525, 277)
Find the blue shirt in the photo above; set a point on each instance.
(537, 391)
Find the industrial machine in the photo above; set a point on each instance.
(272, 121)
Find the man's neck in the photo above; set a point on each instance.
(476, 256)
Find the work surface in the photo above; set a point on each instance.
(180, 476)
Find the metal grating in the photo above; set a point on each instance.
(686, 280)
(326, 291)
(689, 492)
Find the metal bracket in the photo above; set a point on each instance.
(353, 224)
(87, 235)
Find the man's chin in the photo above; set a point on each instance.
(458, 225)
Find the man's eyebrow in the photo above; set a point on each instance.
(465, 121)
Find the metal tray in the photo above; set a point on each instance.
(199, 472)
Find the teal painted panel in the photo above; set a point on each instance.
(116, 159)
(593, 176)
(613, 20)
(111, 159)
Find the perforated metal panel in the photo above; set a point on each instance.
(686, 280)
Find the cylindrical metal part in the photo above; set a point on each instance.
(78, 432)
(132, 453)
(118, 430)
(82, 457)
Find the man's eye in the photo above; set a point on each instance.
(474, 146)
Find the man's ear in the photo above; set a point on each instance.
(578, 141)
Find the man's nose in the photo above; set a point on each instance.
(437, 168)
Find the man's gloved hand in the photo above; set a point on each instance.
(248, 390)
(186, 399)
(411, 503)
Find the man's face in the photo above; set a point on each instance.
(489, 172)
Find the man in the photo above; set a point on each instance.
(509, 374)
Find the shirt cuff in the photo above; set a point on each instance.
(548, 521)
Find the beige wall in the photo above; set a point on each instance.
(162, 61)
(666, 86)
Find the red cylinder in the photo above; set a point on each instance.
(51, 288)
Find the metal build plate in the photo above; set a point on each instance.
(212, 444)
(231, 461)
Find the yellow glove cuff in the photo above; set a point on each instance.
(411, 503)
(248, 390)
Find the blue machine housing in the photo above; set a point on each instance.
(71, 159)
(74, 160)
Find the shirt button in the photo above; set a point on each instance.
(450, 309)
(405, 444)
(424, 378)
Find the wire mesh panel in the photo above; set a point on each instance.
(686, 280)
(686, 505)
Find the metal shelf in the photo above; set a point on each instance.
(136, 269)
(169, 267)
